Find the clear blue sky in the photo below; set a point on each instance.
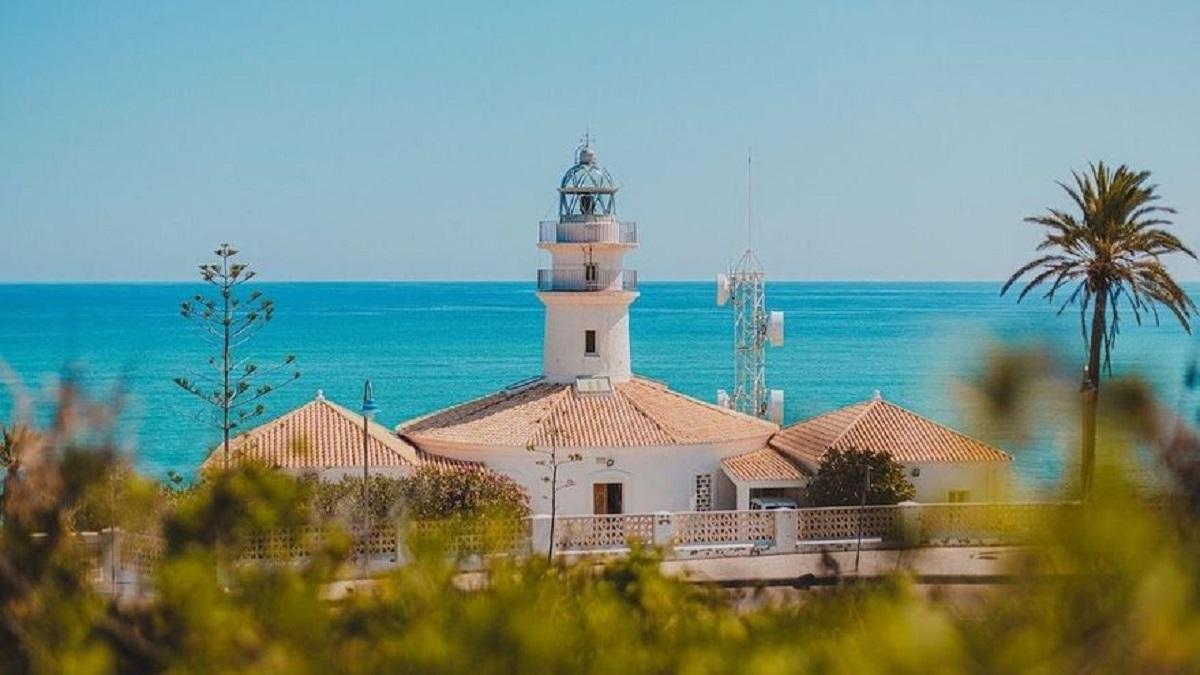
(380, 141)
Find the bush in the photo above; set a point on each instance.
(428, 493)
(842, 474)
(433, 493)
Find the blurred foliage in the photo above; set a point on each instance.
(429, 492)
(844, 475)
(1114, 587)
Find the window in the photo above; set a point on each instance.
(591, 276)
(959, 496)
(589, 343)
(608, 498)
(704, 492)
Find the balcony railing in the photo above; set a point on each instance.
(580, 279)
(587, 232)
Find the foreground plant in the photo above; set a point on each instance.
(1112, 590)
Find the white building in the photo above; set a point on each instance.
(627, 444)
(942, 464)
(640, 446)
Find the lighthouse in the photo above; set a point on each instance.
(640, 447)
(587, 290)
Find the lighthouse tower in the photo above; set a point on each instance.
(587, 290)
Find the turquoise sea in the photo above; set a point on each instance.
(428, 345)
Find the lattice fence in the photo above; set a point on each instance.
(140, 553)
(92, 548)
(583, 533)
(473, 537)
(847, 522)
(724, 527)
(282, 545)
(986, 522)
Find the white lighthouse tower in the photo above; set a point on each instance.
(587, 290)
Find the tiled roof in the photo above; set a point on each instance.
(766, 464)
(636, 413)
(882, 426)
(321, 435)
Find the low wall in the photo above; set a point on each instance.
(122, 562)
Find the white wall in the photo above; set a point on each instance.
(659, 478)
(984, 480)
(568, 315)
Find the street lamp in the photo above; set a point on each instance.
(368, 412)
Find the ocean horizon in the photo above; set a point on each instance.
(430, 344)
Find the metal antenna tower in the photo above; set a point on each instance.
(753, 328)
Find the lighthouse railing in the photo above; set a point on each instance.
(598, 231)
(580, 279)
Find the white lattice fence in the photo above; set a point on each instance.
(140, 553)
(991, 522)
(475, 536)
(380, 541)
(847, 522)
(724, 527)
(92, 547)
(282, 545)
(583, 533)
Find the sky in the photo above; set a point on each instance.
(890, 141)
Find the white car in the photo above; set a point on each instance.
(773, 504)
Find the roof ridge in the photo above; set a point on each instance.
(562, 395)
(391, 442)
(711, 406)
(942, 426)
(854, 422)
(646, 414)
(500, 395)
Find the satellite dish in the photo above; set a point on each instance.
(723, 398)
(775, 329)
(722, 290)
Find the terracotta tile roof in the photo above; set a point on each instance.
(636, 413)
(321, 435)
(882, 426)
(766, 464)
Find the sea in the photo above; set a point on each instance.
(427, 345)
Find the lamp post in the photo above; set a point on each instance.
(368, 412)
(862, 506)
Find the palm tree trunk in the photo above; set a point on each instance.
(1091, 392)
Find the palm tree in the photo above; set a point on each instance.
(1107, 253)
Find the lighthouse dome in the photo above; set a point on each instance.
(587, 175)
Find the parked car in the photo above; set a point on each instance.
(772, 504)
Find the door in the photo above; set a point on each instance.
(608, 498)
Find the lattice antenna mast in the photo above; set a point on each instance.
(753, 327)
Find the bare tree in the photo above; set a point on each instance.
(552, 461)
(235, 386)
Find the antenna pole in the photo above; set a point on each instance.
(749, 200)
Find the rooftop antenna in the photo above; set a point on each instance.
(753, 327)
(749, 201)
